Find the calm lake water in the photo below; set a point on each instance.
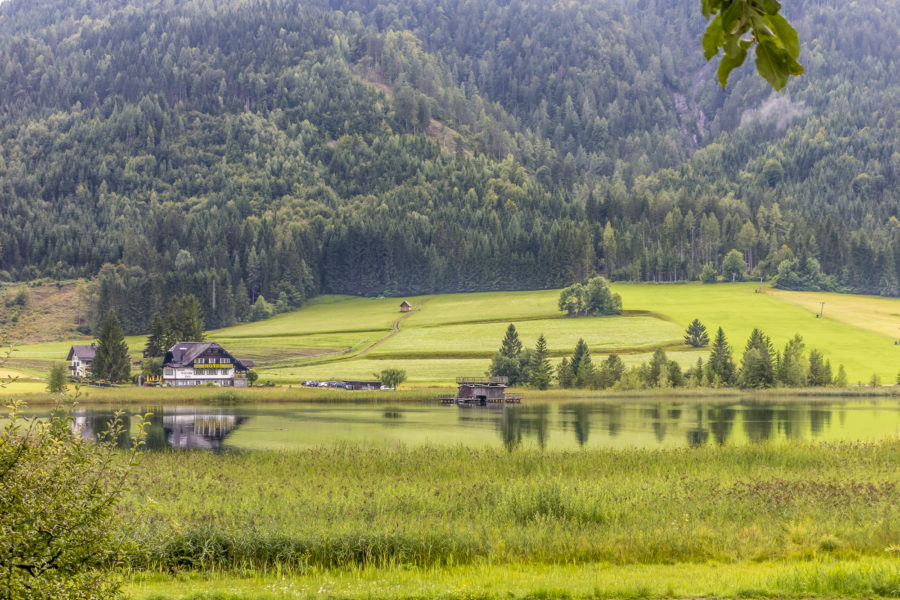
(554, 426)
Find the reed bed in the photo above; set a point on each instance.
(348, 506)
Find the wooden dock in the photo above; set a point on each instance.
(455, 400)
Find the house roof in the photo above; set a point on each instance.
(405, 303)
(183, 354)
(86, 352)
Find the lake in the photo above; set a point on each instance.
(557, 425)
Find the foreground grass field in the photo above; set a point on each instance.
(345, 506)
(364, 521)
(455, 334)
(860, 578)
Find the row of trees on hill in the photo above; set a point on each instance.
(761, 366)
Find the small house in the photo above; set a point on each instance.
(405, 307)
(201, 363)
(80, 359)
(481, 391)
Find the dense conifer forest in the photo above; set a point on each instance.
(281, 149)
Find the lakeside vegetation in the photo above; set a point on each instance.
(360, 507)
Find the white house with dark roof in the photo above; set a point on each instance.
(80, 359)
(201, 363)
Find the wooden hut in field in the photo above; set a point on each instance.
(481, 391)
(405, 307)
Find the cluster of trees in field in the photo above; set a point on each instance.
(761, 366)
(591, 297)
(237, 152)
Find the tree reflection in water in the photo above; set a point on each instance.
(628, 423)
(721, 423)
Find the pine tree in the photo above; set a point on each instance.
(793, 367)
(507, 362)
(696, 335)
(582, 367)
(819, 373)
(241, 301)
(564, 374)
(156, 341)
(698, 378)
(540, 373)
(184, 322)
(720, 366)
(757, 368)
(112, 361)
(611, 371)
(511, 346)
(841, 379)
(658, 373)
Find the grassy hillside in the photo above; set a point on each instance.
(456, 334)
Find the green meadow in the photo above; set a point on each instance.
(452, 335)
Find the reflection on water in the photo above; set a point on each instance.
(565, 425)
(171, 427)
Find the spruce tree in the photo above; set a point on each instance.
(564, 374)
(793, 367)
(658, 369)
(611, 371)
(156, 341)
(819, 373)
(720, 366)
(241, 301)
(696, 335)
(698, 378)
(757, 368)
(511, 346)
(540, 372)
(507, 362)
(582, 367)
(112, 362)
(184, 322)
(841, 379)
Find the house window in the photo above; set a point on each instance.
(168, 372)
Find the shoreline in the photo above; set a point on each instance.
(282, 394)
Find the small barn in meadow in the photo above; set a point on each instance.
(405, 306)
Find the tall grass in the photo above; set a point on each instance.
(348, 505)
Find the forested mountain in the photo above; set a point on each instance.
(282, 149)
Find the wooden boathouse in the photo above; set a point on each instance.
(481, 391)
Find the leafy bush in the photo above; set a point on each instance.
(58, 491)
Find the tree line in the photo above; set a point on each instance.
(761, 365)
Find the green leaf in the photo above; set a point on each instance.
(786, 34)
(711, 7)
(775, 64)
(771, 7)
(732, 16)
(731, 62)
(713, 38)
